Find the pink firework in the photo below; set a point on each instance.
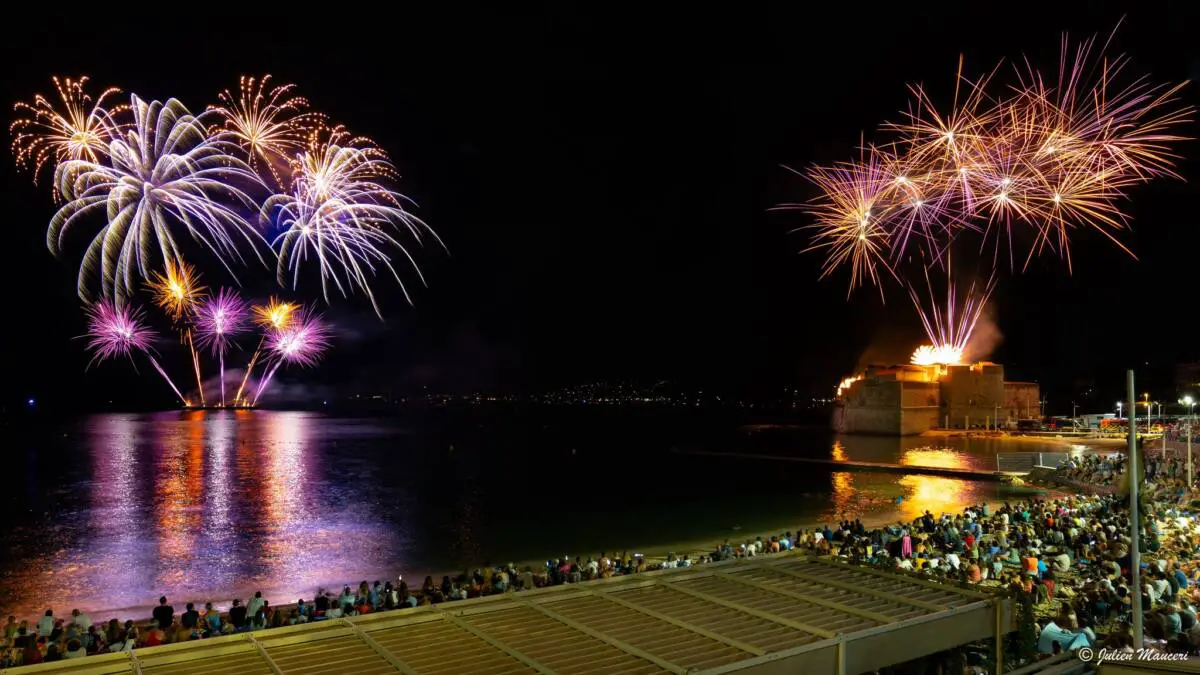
(116, 331)
(220, 319)
(302, 342)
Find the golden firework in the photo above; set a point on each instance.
(178, 290)
(80, 129)
(275, 315)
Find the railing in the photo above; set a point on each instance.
(1026, 462)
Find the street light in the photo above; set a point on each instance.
(1119, 405)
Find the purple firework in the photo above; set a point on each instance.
(302, 342)
(116, 331)
(219, 319)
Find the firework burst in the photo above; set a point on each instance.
(342, 216)
(1034, 165)
(79, 130)
(121, 331)
(116, 331)
(165, 175)
(949, 324)
(301, 342)
(269, 123)
(275, 315)
(178, 290)
(219, 319)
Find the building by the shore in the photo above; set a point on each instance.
(908, 399)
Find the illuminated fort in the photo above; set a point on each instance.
(911, 399)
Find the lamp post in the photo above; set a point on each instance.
(1135, 558)
(1074, 418)
(1119, 406)
(1191, 404)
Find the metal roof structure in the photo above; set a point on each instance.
(784, 613)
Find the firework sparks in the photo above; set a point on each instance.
(342, 215)
(116, 331)
(272, 317)
(275, 315)
(949, 324)
(121, 331)
(1032, 166)
(165, 174)
(177, 293)
(218, 320)
(79, 130)
(269, 123)
(937, 355)
(302, 342)
(178, 290)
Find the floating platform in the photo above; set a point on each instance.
(190, 408)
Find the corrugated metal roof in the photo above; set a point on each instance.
(723, 617)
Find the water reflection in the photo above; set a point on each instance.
(200, 506)
(875, 495)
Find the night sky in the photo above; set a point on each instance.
(603, 181)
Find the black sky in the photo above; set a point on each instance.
(602, 180)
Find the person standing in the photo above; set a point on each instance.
(164, 614)
(256, 603)
(45, 625)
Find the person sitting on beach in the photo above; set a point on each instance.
(32, 655)
(126, 642)
(154, 635)
(94, 641)
(53, 653)
(347, 597)
(212, 619)
(190, 618)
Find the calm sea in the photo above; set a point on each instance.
(107, 512)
